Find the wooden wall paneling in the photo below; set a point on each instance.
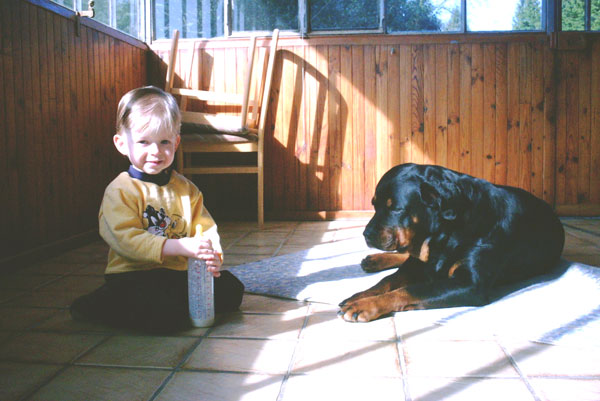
(406, 100)
(393, 111)
(441, 104)
(429, 110)
(477, 106)
(572, 128)
(584, 173)
(347, 97)
(550, 92)
(276, 148)
(334, 124)
(501, 109)
(537, 120)
(371, 151)
(417, 106)
(10, 195)
(489, 112)
(358, 126)
(302, 152)
(321, 131)
(561, 131)
(453, 104)
(595, 124)
(464, 164)
(312, 137)
(384, 146)
(524, 127)
(25, 164)
(513, 112)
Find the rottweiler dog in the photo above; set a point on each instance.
(454, 240)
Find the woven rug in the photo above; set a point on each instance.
(560, 308)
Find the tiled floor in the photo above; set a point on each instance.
(273, 349)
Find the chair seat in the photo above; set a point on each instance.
(212, 142)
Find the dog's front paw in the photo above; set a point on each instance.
(362, 310)
(370, 264)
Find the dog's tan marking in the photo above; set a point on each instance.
(405, 236)
(389, 202)
(453, 269)
(424, 253)
(374, 199)
(415, 219)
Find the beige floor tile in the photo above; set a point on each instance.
(7, 296)
(567, 389)
(316, 387)
(448, 359)
(19, 318)
(18, 379)
(468, 389)
(186, 386)
(63, 322)
(555, 360)
(46, 299)
(140, 351)
(261, 239)
(289, 249)
(18, 281)
(263, 304)
(234, 260)
(47, 268)
(92, 269)
(250, 356)
(48, 347)
(264, 250)
(350, 358)
(99, 383)
(328, 326)
(76, 284)
(259, 326)
(307, 238)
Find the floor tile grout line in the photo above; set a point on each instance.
(592, 233)
(285, 240)
(65, 366)
(290, 368)
(402, 362)
(522, 376)
(177, 368)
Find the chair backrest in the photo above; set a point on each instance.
(255, 92)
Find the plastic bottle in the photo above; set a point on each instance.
(200, 294)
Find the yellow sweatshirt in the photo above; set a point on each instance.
(139, 212)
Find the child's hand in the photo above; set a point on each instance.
(195, 247)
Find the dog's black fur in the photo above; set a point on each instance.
(454, 239)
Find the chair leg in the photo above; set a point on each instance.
(261, 198)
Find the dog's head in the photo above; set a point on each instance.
(411, 202)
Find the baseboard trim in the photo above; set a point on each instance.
(323, 215)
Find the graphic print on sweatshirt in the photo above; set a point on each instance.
(159, 223)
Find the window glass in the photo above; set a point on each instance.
(329, 15)
(573, 15)
(504, 15)
(423, 15)
(265, 15)
(595, 15)
(193, 18)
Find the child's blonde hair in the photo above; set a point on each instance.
(148, 109)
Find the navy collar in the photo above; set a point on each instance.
(161, 179)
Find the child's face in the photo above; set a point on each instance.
(150, 153)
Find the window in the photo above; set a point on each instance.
(504, 15)
(264, 15)
(580, 15)
(193, 18)
(332, 15)
(419, 15)
(213, 18)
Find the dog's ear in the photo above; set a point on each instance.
(430, 196)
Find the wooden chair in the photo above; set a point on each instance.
(226, 133)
